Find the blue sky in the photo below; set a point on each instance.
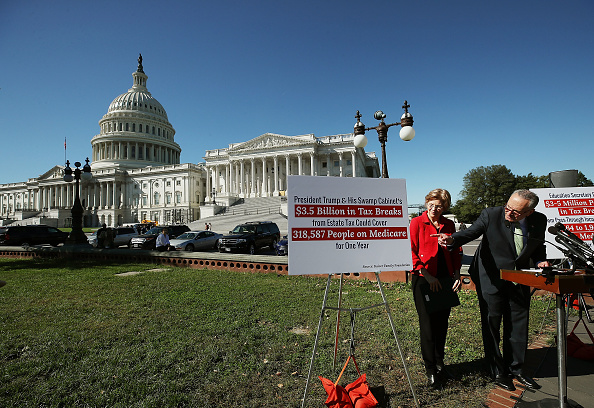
(489, 82)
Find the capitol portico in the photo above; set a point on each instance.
(259, 167)
(137, 173)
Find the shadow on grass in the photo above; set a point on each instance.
(63, 263)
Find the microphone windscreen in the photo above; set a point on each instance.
(553, 230)
(560, 226)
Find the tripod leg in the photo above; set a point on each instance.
(338, 320)
(584, 307)
(381, 288)
(313, 355)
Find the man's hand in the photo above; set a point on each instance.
(543, 264)
(443, 239)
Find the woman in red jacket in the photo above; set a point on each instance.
(434, 269)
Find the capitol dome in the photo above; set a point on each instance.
(135, 131)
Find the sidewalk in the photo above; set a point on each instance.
(541, 364)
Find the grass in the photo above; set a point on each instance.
(80, 335)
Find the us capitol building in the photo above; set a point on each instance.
(137, 174)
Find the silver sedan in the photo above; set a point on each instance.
(196, 240)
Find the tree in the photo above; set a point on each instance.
(484, 187)
(531, 181)
(583, 181)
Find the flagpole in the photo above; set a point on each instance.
(64, 149)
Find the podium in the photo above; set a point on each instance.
(559, 285)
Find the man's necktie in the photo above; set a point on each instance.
(518, 237)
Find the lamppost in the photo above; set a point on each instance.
(77, 236)
(407, 132)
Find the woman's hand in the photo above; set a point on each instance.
(433, 282)
(457, 282)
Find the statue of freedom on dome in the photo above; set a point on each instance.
(140, 63)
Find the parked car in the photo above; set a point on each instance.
(250, 237)
(282, 246)
(193, 240)
(31, 235)
(121, 236)
(148, 239)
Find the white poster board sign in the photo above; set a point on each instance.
(571, 206)
(347, 224)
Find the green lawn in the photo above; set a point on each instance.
(75, 334)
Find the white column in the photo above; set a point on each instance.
(275, 175)
(340, 164)
(208, 184)
(264, 190)
(101, 201)
(232, 177)
(353, 168)
(311, 164)
(216, 179)
(242, 179)
(300, 163)
(236, 180)
(253, 182)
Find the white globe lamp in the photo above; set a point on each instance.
(360, 141)
(407, 133)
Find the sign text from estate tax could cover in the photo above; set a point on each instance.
(347, 224)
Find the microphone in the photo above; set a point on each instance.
(573, 237)
(560, 231)
(573, 249)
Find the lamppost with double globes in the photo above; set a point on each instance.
(407, 132)
(77, 235)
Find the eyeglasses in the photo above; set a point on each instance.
(435, 207)
(515, 213)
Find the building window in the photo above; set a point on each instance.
(153, 130)
(140, 128)
(133, 127)
(157, 198)
(349, 162)
(336, 163)
(324, 165)
(178, 197)
(127, 127)
(144, 202)
(144, 185)
(178, 182)
(168, 198)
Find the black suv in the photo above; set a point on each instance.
(250, 236)
(149, 238)
(31, 235)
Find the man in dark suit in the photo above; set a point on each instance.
(513, 238)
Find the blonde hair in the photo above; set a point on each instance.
(441, 195)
